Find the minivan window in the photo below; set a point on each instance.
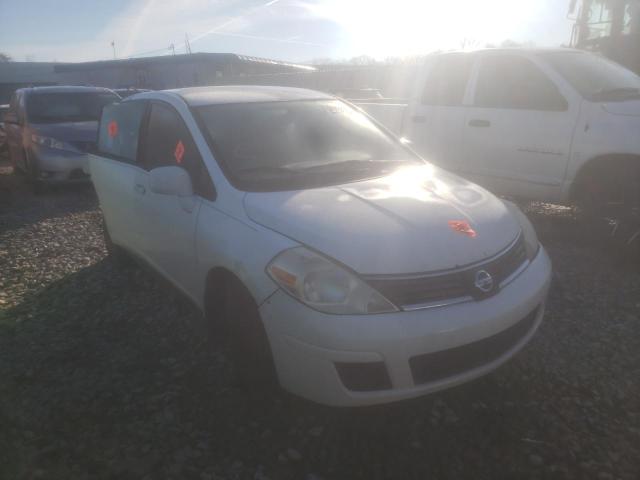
(59, 107)
(447, 81)
(168, 142)
(290, 145)
(119, 130)
(514, 82)
(595, 77)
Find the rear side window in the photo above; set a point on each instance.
(513, 82)
(447, 81)
(119, 130)
(168, 142)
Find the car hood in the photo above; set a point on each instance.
(629, 108)
(396, 224)
(68, 131)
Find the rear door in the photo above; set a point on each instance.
(436, 119)
(114, 168)
(518, 130)
(168, 222)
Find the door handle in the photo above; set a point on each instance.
(418, 119)
(140, 189)
(476, 122)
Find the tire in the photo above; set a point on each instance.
(239, 322)
(16, 168)
(32, 172)
(119, 256)
(610, 191)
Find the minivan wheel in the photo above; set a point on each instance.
(32, 175)
(239, 322)
(119, 256)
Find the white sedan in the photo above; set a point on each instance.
(330, 255)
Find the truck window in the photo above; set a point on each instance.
(119, 127)
(447, 81)
(168, 142)
(513, 82)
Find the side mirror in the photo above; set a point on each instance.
(170, 181)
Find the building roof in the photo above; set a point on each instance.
(198, 96)
(66, 89)
(27, 72)
(175, 59)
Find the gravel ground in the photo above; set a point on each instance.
(103, 376)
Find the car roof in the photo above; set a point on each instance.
(199, 96)
(64, 89)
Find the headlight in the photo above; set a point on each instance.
(323, 285)
(50, 142)
(530, 238)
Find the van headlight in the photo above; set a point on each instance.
(51, 142)
(324, 285)
(531, 243)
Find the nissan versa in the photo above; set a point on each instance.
(329, 254)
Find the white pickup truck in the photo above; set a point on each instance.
(556, 125)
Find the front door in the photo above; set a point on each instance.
(168, 222)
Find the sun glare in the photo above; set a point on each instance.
(405, 27)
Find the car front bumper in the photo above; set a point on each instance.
(406, 354)
(60, 165)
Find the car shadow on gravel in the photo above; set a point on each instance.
(104, 376)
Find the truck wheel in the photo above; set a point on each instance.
(610, 194)
(119, 256)
(239, 322)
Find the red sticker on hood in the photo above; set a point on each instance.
(112, 128)
(462, 226)
(179, 152)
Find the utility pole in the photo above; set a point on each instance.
(186, 43)
(172, 47)
(113, 45)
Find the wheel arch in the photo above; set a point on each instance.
(603, 166)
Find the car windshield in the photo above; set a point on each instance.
(296, 144)
(61, 107)
(596, 78)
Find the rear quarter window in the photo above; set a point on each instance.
(119, 130)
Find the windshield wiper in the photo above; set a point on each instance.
(615, 93)
(354, 165)
(268, 170)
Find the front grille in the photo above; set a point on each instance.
(435, 366)
(86, 147)
(428, 289)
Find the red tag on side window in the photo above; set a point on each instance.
(112, 128)
(179, 152)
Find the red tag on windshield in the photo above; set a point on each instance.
(112, 128)
(462, 226)
(179, 152)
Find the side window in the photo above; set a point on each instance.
(447, 81)
(119, 130)
(169, 142)
(513, 82)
